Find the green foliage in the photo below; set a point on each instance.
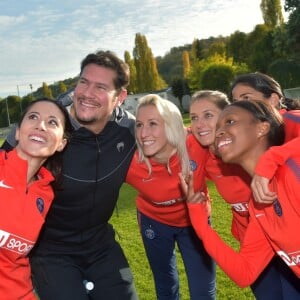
(62, 88)
(170, 66)
(216, 66)
(272, 13)
(217, 77)
(180, 88)
(237, 47)
(47, 92)
(132, 87)
(293, 26)
(125, 222)
(287, 72)
(260, 51)
(148, 78)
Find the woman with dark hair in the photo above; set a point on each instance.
(25, 191)
(259, 86)
(245, 130)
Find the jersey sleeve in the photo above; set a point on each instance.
(242, 267)
(276, 156)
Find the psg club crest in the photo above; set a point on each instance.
(40, 204)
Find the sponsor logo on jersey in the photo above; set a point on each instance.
(291, 259)
(239, 207)
(3, 185)
(14, 243)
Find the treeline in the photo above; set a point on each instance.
(272, 48)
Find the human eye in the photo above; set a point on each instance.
(32, 116)
(194, 118)
(102, 88)
(153, 123)
(246, 97)
(208, 115)
(53, 122)
(138, 125)
(82, 80)
(230, 121)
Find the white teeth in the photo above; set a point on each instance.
(88, 105)
(148, 143)
(37, 138)
(225, 142)
(203, 133)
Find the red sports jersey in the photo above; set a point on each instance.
(22, 212)
(292, 123)
(276, 156)
(159, 195)
(273, 229)
(232, 183)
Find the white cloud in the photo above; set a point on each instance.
(46, 41)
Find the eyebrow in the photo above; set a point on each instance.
(36, 112)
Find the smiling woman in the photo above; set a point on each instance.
(246, 129)
(42, 131)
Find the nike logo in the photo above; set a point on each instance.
(259, 215)
(3, 185)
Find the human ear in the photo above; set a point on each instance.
(121, 97)
(275, 100)
(62, 145)
(263, 129)
(17, 134)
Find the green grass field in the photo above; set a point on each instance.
(125, 223)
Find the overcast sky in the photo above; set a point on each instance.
(45, 41)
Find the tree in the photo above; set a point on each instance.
(132, 87)
(186, 63)
(62, 88)
(218, 77)
(272, 13)
(293, 25)
(287, 72)
(180, 88)
(210, 64)
(148, 78)
(236, 46)
(46, 90)
(197, 51)
(260, 52)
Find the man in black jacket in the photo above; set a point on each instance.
(77, 252)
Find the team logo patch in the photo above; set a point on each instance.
(193, 165)
(277, 208)
(149, 233)
(40, 204)
(120, 146)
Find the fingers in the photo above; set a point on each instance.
(183, 184)
(261, 191)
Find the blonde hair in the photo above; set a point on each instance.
(174, 129)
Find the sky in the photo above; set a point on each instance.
(45, 41)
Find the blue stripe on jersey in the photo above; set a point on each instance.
(294, 166)
(292, 117)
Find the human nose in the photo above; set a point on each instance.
(144, 131)
(41, 125)
(199, 122)
(219, 131)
